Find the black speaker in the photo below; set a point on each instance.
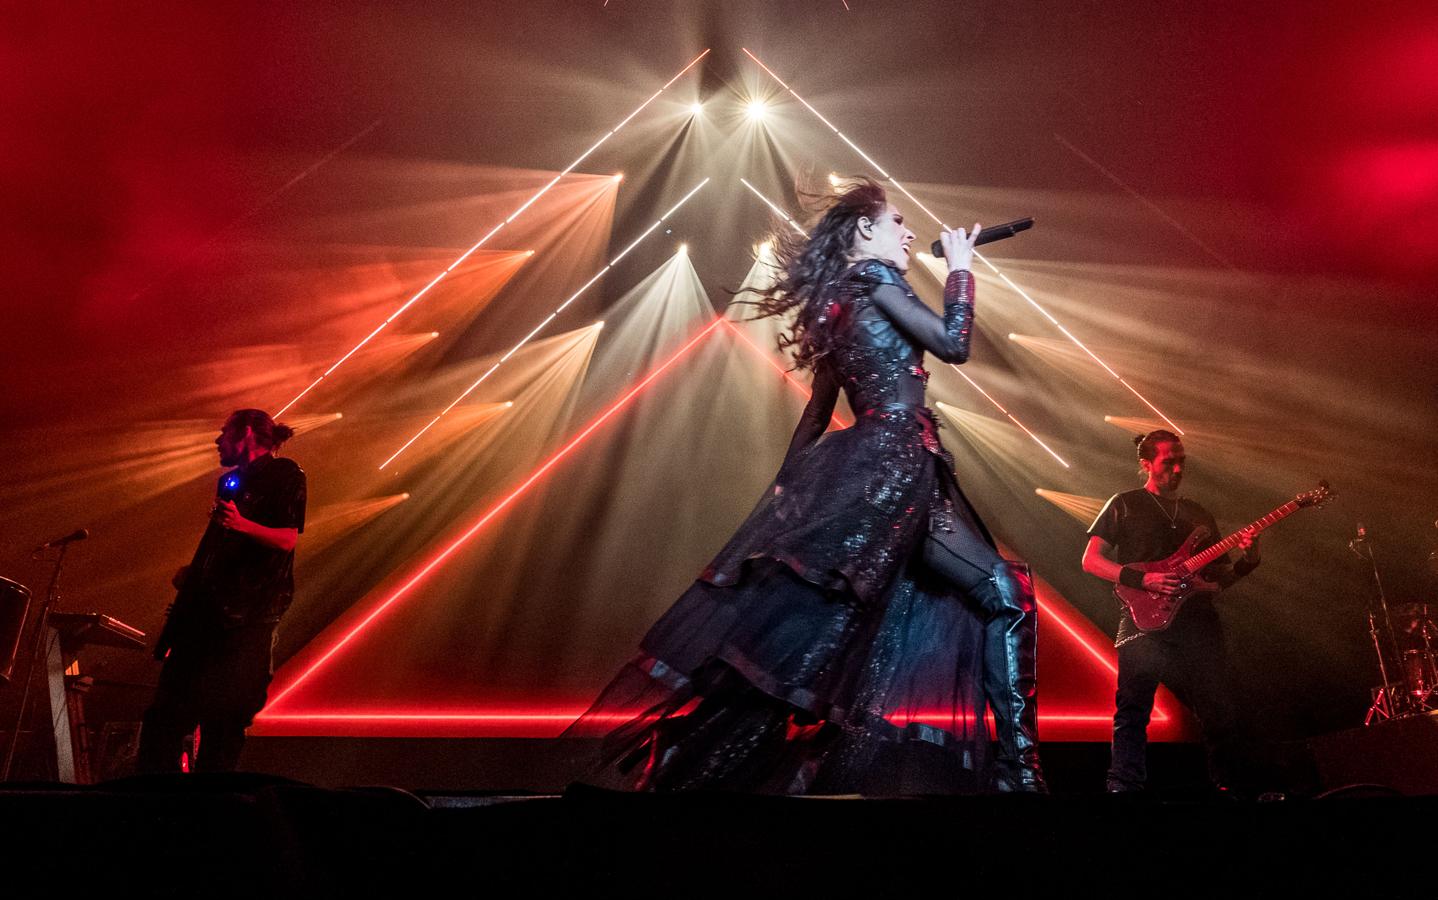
(1400, 753)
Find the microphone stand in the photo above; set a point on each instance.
(37, 647)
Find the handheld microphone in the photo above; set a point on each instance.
(229, 487)
(70, 538)
(991, 234)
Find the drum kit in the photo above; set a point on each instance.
(1412, 642)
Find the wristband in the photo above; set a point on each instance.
(1128, 576)
(1243, 567)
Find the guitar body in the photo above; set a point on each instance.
(1153, 611)
(186, 610)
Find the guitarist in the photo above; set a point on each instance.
(219, 635)
(1143, 525)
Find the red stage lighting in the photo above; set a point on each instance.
(550, 721)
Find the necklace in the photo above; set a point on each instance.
(1171, 516)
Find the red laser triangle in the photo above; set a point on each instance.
(1076, 663)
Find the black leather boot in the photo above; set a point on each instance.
(1010, 679)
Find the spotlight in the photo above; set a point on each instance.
(683, 249)
(434, 334)
(833, 180)
(757, 109)
(765, 248)
(618, 176)
(339, 415)
(529, 253)
(599, 326)
(404, 496)
(1012, 336)
(508, 404)
(696, 109)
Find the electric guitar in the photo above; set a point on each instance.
(188, 608)
(1154, 611)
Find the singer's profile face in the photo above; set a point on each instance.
(231, 444)
(890, 240)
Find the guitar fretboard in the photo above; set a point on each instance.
(1203, 558)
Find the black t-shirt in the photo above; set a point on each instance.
(1139, 526)
(236, 577)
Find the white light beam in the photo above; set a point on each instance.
(995, 269)
(542, 325)
(481, 242)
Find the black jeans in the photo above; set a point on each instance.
(1191, 662)
(215, 679)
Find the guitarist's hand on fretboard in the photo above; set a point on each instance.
(1248, 543)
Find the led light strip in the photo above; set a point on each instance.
(768, 358)
(777, 211)
(1012, 418)
(492, 232)
(565, 717)
(995, 269)
(542, 325)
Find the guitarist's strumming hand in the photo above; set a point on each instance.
(1161, 582)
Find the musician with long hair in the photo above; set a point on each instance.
(218, 639)
(849, 635)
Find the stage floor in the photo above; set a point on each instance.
(253, 836)
(549, 765)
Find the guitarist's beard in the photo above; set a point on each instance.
(1168, 485)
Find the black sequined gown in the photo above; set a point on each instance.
(816, 653)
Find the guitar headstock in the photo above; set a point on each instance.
(1316, 497)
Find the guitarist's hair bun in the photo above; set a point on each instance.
(268, 432)
(1147, 443)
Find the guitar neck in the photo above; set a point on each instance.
(1203, 558)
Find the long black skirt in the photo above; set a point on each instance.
(816, 654)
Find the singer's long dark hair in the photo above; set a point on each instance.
(808, 263)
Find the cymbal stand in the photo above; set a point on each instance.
(1389, 700)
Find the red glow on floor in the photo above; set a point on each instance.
(549, 722)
